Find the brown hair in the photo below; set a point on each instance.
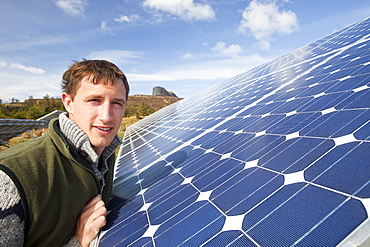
(96, 71)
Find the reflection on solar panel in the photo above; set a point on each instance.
(10, 128)
(277, 156)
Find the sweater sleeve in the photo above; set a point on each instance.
(73, 243)
(12, 222)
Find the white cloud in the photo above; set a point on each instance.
(33, 70)
(72, 7)
(3, 64)
(24, 86)
(35, 42)
(230, 51)
(263, 20)
(207, 69)
(117, 56)
(191, 77)
(19, 66)
(129, 19)
(185, 9)
(104, 27)
(187, 56)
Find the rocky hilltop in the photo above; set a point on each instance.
(161, 91)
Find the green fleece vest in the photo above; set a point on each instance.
(56, 183)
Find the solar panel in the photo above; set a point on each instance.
(10, 128)
(276, 156)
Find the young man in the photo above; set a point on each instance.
(53, 189)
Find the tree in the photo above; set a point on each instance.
(144, 110)
(14, 100)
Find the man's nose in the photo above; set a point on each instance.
(106, 112)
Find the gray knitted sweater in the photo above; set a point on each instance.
(11, 210)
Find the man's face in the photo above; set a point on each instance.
(98, 110)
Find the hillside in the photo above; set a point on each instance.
(137, 105)
(155, 102)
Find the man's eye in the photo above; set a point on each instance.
(94, 100)
(118, 104)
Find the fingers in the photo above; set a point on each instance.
(91, 219)
(98, 223)
(94, 209)
(93, 203)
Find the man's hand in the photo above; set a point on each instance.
(91, 219)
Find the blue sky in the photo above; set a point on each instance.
(183, 45)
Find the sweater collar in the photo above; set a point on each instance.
(80, 140)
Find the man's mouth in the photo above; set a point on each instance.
(104, 128)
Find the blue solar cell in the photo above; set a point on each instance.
(295, 154)
(257, 147)
(233, 124)
(293, 123)
(233, 143)
(261, 123)
(364, 192)
(127, 187)
(267, 108)
(185, 156)
(364, 69)
(118, 214)
(341, 222)
(128, 230)
(336, 124)
(324, 102)
(349, 173)
(344, 73)
(301, 212)
(307, 80)
(143, 242)
(147, 159)
(276, 156)
(154, 173)
(358, 61)
(363, 133)
(182, 134)
(220, 172)
(230, 238)
(350, 83)
(206, 138)
(191, 169)
(291, 105)
(359, 99)
(238, 123)
(314, 90)
(219, 138)
(227, 112)
(175, 201)
(245, 190)
(180, 229)
(209, 123)
(165, 186)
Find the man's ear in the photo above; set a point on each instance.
(67, 102)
